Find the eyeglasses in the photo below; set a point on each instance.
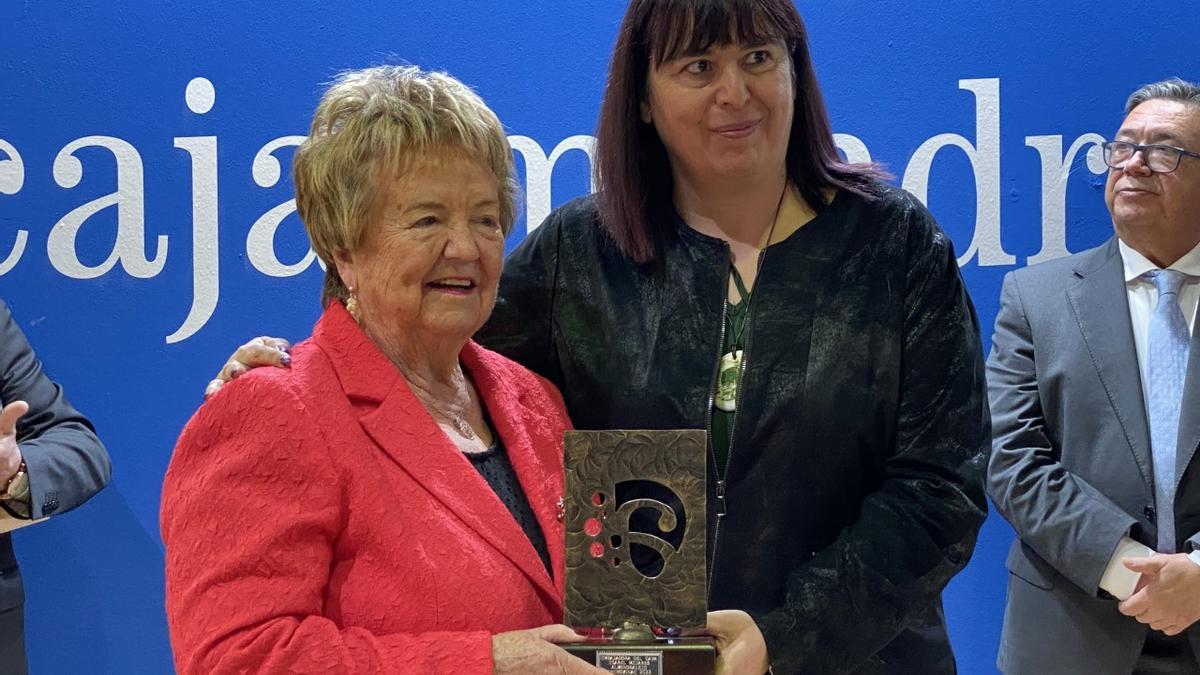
(1158, 158)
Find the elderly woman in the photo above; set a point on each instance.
(388, 504)
(734, 274)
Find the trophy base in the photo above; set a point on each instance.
(661, 656)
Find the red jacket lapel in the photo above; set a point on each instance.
(520, 407)
(403, 429)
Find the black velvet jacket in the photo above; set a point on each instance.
(855, 479)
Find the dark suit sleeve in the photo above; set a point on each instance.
(1192, 543)
(65, 460)
(521, 326)
(1066, 521)
(918, 529)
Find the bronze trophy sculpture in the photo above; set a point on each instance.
(636, 570)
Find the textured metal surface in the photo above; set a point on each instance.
(660, 476)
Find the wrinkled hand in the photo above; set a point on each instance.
(261, 351)
(741, 649)
(10, 453)
(1168, 594)
(534, 651)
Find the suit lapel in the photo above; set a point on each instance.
(1189, 412)
(404, 430)
(1101, 306)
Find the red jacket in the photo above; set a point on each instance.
(317, 520)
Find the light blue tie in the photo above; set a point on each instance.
(1167, 366)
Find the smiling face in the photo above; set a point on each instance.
(1158, 214)
(429, 263)
(724, 113)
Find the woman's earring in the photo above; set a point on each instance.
(352, 305)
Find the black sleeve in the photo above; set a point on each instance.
(522, 325)
(918, 529)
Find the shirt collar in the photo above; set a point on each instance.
(1137, 264)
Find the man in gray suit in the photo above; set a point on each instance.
(1096, 419)
(50, 462)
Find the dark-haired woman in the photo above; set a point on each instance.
(733, 274)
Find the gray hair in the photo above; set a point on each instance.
(378, 119)
(1174, 89)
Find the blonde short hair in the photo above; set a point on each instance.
(378, 119)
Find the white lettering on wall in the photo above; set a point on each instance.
(984, 156)
(130, 248)
(260, 242)
(855, 150)
(539, 169)
(200, 96)
(1056, 170)
(130, 245)
(12, 179)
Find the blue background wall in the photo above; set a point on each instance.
(1008, 78)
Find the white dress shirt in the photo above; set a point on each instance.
(1143, 297)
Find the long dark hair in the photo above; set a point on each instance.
(632, 169)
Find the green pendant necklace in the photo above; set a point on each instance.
(729, 373)
(731, 362)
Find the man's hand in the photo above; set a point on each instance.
(10, 454)
(1168, 595)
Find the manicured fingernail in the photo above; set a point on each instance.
(285, 359)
